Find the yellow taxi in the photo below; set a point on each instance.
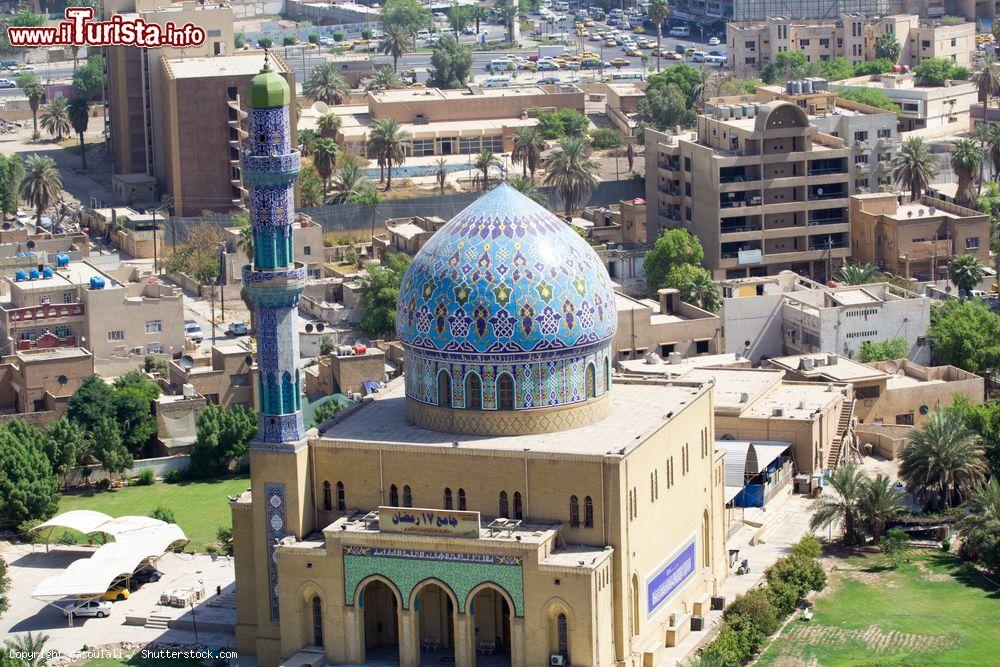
(619, 62)
(595, 37)
(689, 51)
(610, 43)
(115, 594)
(639, 29)
(633, 52)
(588, 22)
(671, 55)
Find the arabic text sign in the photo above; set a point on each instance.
(417, 521)
(668, 579)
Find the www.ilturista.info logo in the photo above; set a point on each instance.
(80, 30)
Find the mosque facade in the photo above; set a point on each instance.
(507, 502)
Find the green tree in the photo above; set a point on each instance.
(665, 107)
(326, 84)
(700, 290)
(379, 292)
(880, 503)
(561, 123)
(887, 46)
(808, 546)
(451, 63)
(603, 138)
(873, 97)
(348, 183)
(384, 78)
(11, 172)
(935, 71)
(91, 403)
(224, 535)
(459, 17)
(834, 69)
(943, 460)
(55, 118)
(980, 526)
(804, 574)
(572, 172)
(23, 18)
(307, 141)
(327, 125)
(754, 608)
(987, 79)
(388, 141)
(396, 40)
(31, 646)
(89, 80)
(65, 446)
(894, 348)
(244, 229)
(965, 333)
(408, 15)
(483, 163)
(32, 88)
(326, 411)
(526, 186)
(478, 13)
(164, 514)
(508, 11)
(966, 271)
(842, 505)
(785, 66)
(690, 80)
(984, 420)
(913, 167)
(658, 11)
(966, 162)
(672, 248)
(134, 414)
(310, 187)
(894, 545)
(4, 587)
(41, 184)
(108, 448)
(441, 172)
(79, 118)
(325, 160)
(870, 67)
(528, 146)
(28, 487)
(222, 437)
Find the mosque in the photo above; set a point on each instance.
(506, 502)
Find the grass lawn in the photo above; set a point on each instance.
(199, 507)
(932, 611)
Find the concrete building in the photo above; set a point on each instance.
(345, 373)
(141, 235)
(761, 10)
(35, 384)
(921, 106)
(764, 191)
(753, 45)
(666, 327)
(309, 249)
(226, 376)
(917, 239)
(406, 235)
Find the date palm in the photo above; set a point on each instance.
(887, 46)
(384, 78)
(508, 10)
(914, 167)
(441, 172)
(41, 184)
(326, 85)
(55, 118)
(572, 171)
(658, 11)
(701, 291)
(526, 186)
(843, 505)
(388, 141)
(33, 90)
(966, 161)
(943, 459)
(245, 241)
(858, 274)
(325, 160)
(29, 648)
(348, 183)
(478, 13)
(484, 162)
(881, 503)
(991, 148)
(987, 79)
(307, 142)
(980, 527)
(79, 118)
(966, 271)
(328, 124)
(395, 42)
(527, 150)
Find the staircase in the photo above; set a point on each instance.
(837, 446)
(157, 622)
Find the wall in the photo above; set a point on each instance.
(888, 440)
(938, 386)
(161, 466)
(468, 107)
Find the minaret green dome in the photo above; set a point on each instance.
(268, 89)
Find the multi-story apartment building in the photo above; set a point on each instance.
(921, 106)
(762, 188)
(917, 239)
(760, 10)
(754, 44)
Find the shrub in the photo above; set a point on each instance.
(946, 545)
(338, 36)
(313, 38)
(265, 42)
(225, 536)
(66, 539)
(146, 477)
(733, 646)
(173, 476)
(803, 574)
(25, 530)
(211, 549)
(808, 546)
(367, 33)
(894, 545)
(103, 484)
(753, 608)
(152, 363)
(163, 514)
(289, 40)
(783, 596)
(605, 137)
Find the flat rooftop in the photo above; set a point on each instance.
(235, 65)
(71, 275)
(797, 400)
(844, 370)
(529, 533)
(731, 384)
(917, 212)
(668, 369)
(434, 129)
(419, 94)
(637, 411)
(53, 354)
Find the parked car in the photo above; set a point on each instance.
(192, 331)
(237, 329)
(548, 81)
(146, 575)
(619, 62)
(116, 594)
(98, 608)
(633, 52)
(713, 41)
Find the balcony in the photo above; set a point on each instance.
(816, 196)
(822, 171)
(47, 341)
(825, 245)
(828, 221)
(45, 312)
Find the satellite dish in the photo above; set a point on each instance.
(186, 362)
(924, 409)
(248, 360)
(31, 245)
(309, 327)
(320, 326)
(62, 379)
(320, 107)
(819, 191)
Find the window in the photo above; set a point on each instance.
(884, 133)
(444, 389)
(574, 511)
(505, 392)
(518, 511)
(866, 392)
(504, 508)
(666, 350)
(327, 496)
(803, 42)
(468, 145)
(562, 635)
(461, 499)
(687, 189)
(750, 44)
(64, 331)
(307, 250)
(861, 136)
(905, 420)
(341, 497)
(423, 147)
(407, 496)
(824, 41)
(28, 334)
(972, 243)
(154, 326)
(493, 144)
(317, 614)
(116, 335)
(393, 496)
(701, 346)
(473, 392)
(591, 381)
(687, 213)
(925, 44)
(911, 106)
(447, 498)
(67, 297)
(687, 164)
(588, 512)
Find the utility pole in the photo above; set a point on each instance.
(222, 277)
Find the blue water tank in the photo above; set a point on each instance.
(62, 259)
(47, 272)
(20, 275)
(97, 282)
(33, 274)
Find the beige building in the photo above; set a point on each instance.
(138, 234)
(35, 384)
(922, 106)
(666, 328)
(406, 235)
(309, 249)
(917, 239)
(227, 376)
(764, 191)
(345, 373)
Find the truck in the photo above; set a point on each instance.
(550, 50)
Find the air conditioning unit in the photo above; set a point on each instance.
(557, 660)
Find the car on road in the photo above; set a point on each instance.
(115, 594)
(672, 55)
(713, 41)
(619, 62)
(639, 29)
(610, 43)
(633, 51)
(192, 331)
(98, 608)
(680, 31)
(7, 83)
(548, 81)
(237, 328)
(27, 68)
(698, 56)
(690, 51)
(469, 30)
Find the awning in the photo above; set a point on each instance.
(746, 458)
(83, 521)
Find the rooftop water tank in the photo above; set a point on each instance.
(33, 274)
(807, 86)
(796, 87)
(62, 259)
(97, 282)
(47, 272)
(20, 275)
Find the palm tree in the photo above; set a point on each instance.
(887, 46)
(388, 140)
(441, 172)
(992, 149)
(882, 502)
(658, 11)
(326, 85)
(526, 186)
(384, 78)
(395, 41)
(858, 274)
(980, 527)
(79, 118)
(245, 242)
(508, 10)
(914, 167)
(701, 291)
(478, 13)
(307, 141)
(325, 159)
(30, 648)
(349, 182)
(483, 162)
(943, 459)
(843, 506)
(55, 118)
(33, 90)
(328, 124)
(527, 151)
(572, 171)
(987, 79)
(41, 184)
(966, 161)
(966, 271)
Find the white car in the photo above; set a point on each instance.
(192, 331)
(713, 41)
(98, 608)
(23, 217)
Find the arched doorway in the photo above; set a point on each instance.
(381, 621)
(435, 614)
(491, 620)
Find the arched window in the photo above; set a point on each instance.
(444, 389)
(473, 392)
(461, 499)
(591, 381)
(574, 511)
(317, 613)
(706, 540)
(447, 498)
(588, 512)
(635, 604)
(607, 374)
(504, 509)
(407, 496)
(562, 635)
(393, 496)
(327, 496)
(505, 392)
(341, 497)
(518, 514)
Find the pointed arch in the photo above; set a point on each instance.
(341, 497)
(591, 381)
(407, 496)
(473, 391)
(574, 511)
(444, 388)
(505, 391)
(504, 507)
(327, 496)
(588, 512)
(461, 499)
(607, 374)
(447, 498)
(393, 496)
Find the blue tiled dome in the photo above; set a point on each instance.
(506, 277)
